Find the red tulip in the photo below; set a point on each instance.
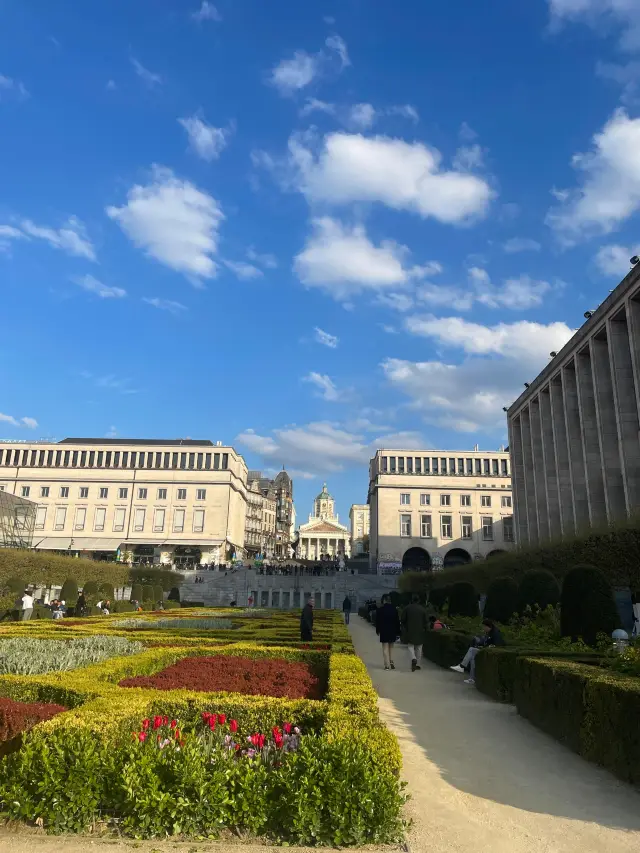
(287, 728)
(157, 722)
(222, 719)
(177, 734)
(165, 721)
(142, 737)
(174, 723)
(212, 723)
(146, 724)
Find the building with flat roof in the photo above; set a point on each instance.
(359, 521)
(180, 502)
(435, 508)
(574, 432)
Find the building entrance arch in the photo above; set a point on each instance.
(416, 560)
(456, 557)
(495, 553)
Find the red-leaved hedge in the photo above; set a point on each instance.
(16, 717)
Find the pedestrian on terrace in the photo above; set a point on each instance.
(388, 629)
(306, 622)
(415, 623)
(346, 609)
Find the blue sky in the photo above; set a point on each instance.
(307, 229)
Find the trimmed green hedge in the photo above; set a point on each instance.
(446, 648)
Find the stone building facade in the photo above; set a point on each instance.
(359, 522)
(323, 536)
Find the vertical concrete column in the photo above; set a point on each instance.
(626, 408)
(563, 466)
(549, 455)
(517, 479)
(575, 449)
(529, 483)
(607, 427)
(592, 460)
(633, 322)
(539, 470)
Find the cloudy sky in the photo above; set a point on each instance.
(307, 229)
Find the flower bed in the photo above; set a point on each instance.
(26, 656)
(190, 623)
(264, 677)
(17, 717)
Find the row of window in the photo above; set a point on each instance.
(123, 493)
(111, 459)
(466, 527)
(445, 465)
(445, 500)
(119, 518)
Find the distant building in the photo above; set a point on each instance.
(359, 518)
(435, 508)
(17, 521)
(323, 535)
(260, 526)
(281, 489)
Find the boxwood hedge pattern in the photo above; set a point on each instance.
(342, 787)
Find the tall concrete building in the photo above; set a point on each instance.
(359, 520)
(436, 508)
(574, 433)
(179, 502)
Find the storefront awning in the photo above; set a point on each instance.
(78, 543)
(195, 543)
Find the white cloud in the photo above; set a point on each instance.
(517, 294)
(625, 12)
(88, 282)
(343, 261)
(30, 423)
(468, 158)
(325, 338)
(174, 222)
(362, 116)
(609, 190)
(614, 260)
(313, 105)
(111, 86)
(206, 140)
(148, 77)
(325, 385)
(165, 305)
(243, 270)
(9, 86)
(206, 12)
(521, 244)
(264, 259)
(626, 75)
(442, 296)
(291, 75)
(338, 45)
(396, 301)
(71, 238)
(406, 111)
(112, 432)
(467, 133)
(8, 419)
(404, 176)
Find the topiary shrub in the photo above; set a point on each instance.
(90, 589)
(438, 597)
(69, 593)
(502, 600)
(15, 585)
(171, 605)
(123, 607)
(107, 591)
(174, 595)
(587, 605)
(147, 592)
(136, 592)
(463, 600)
(158, 593)
(148, 605)
(538, 588)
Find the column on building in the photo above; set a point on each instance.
(607, 426)
(554, 522)
(539, 470)
(575, 445)
(530, 486)
(626, 405)
(518, 481)
(590, 441)
(564, 483)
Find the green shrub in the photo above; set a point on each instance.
(136, 592)
(446, 648)
(15, 585)
(147, 592)
(463, 600)
(174, 594)
(438, 597)
(587, 606)
(49, 569)
(538, 588)
(42, 612)
(502, 600)
(122, 607)
(90, 589)
(69, 593)
(148, 605)
(171, 605)
(166, 578)
(107, 591)
(158, 594)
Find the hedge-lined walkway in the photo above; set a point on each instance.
(482, 778)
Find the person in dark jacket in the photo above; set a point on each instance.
(346, 609)
(81, 605)
(306, 622)
(415, 623)
(388, 629)
(491, 637)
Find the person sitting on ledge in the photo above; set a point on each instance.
(435, 624)
(492, 637)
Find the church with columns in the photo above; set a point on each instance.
(323, 535)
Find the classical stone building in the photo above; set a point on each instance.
(178, 502)
(282, 488)
(435, 508)
(323, 535)
(260, 527)
(359, 519)
(574, 432)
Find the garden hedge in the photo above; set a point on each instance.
(446, 648)
(587, 605)
(44, 568)
(502, 600)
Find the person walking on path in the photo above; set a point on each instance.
(388, 629)
(26, 603)
(306, 622)
(346, 609)
(415, 623)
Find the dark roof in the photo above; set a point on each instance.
(158, 442)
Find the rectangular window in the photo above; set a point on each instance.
(74, 459)
(207, 461)
(104, 492)
(192, 460)
(385, 464)
(149, 460)
(167, 460)
(119, 516)
(485, 500)
(183, 460)
(92, 458)
(443, 465)
(486, 467)
(67, 455)
(125, 459)
(142, 494)
(178, 521)
(425, 500)
(400, 464)
(141, 460)
(100, 457)
(505, 471)
(467, 526)
(199, 461)
(25, 491)
(84, 491)
(418, 465)
(138, 519)
(469, 466)
(494, 467)
(409, 464)
(405, 525)
(44, 492)
(158, 520)
(465, 500)
(61, 517)
(505, 501)
(487, 528)
(99, 518)
(162, 494)
(182, 495)
(40, 458)
(158, 460)
(201, 494)
(81, 518)
(478, 466)
(116, 459)
(198, 520)
(446, 527)
(392, 464)
(507, 529)
(64, 491)
(434, 465)
(132, 463)
(225, 461)
(445, 500)
(58, 457)
(452, 466)
(460, 466)
(41, 517)
(425, 526)
(107, 460)
(405, 499)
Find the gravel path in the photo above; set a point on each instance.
(483, 779)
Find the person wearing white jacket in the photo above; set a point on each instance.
(26, 603)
